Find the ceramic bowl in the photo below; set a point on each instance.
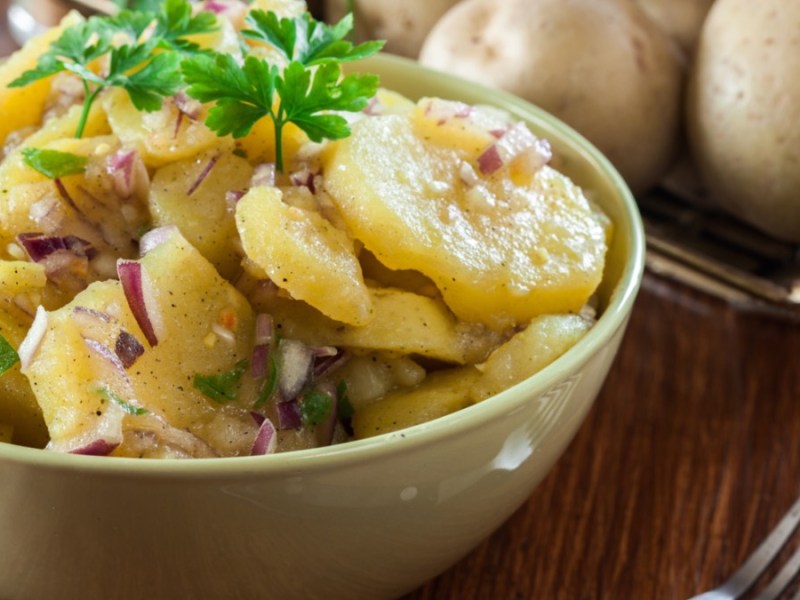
(370, 519)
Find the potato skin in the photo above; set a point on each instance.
(603, 67)
(744, 112)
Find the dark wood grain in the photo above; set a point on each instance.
(688, 458)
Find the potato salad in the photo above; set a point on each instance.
(217, 242)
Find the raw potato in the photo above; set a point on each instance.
(601, 66)
(744, 112)
(682, 19)
(403, 25)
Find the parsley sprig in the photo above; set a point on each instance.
(54, 163)
(147, 66)
(306, 92)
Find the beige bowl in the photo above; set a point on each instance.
(370, 519)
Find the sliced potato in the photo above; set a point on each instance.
(403, 323)
(442, 393)
(303, 253)
(163, 136)
(201, 211)
(23, 106)
(544, 340)
(499, 251)
(21, 284)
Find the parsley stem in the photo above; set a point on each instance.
(278, 120)
(87, 106)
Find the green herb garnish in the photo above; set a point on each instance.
(307, 41)
(221, 387)
(145, 69)
(53, 163)
(8, 356)
(315, 408)
(304, 93)
(175, 22)
(128, 407)
(344, 408)
(270, 385)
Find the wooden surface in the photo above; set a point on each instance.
(688, 458)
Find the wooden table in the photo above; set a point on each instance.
(688, 458)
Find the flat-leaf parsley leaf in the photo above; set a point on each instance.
(54, 163)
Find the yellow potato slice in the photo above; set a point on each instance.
(303, 253)
(23, 106)
(500, 251)
(441, 393)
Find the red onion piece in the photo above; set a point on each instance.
(65, 196)
(294, 367)
(203, 174)
(217, 8)
(289, 415)
(39, 246)
(328, 359)
(99, 447)
(187, 105)
(128, 173)
(304, 178)
(33, 339)
(263, 175)
(135, 286)
(518, 141)
(266, 439)
(442, 111)
(128, 349)
(155, 237)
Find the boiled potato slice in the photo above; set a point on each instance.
(20, 285)
(403, 323)
(23, 106)
(206, 327)
(441, 393)
(529, 351)
(163, 136)
(201, 211)
(303, 253)
(499, 251)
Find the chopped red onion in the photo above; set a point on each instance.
(441, 111)
(295, 361)
(99, 447)
(187, 105)
(155, 237)
(289, 415)
(203, 174)
(304, 178)
(263, 175)
(39, 246)
(97, 315)
(328, 359)
(135, 286)
(516, 142)
(217, 8)
(128, 173)
(107, 355)
(128, 349)
(266, 439)
(33, 339)
(64, 193)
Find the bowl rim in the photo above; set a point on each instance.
(299, 462)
